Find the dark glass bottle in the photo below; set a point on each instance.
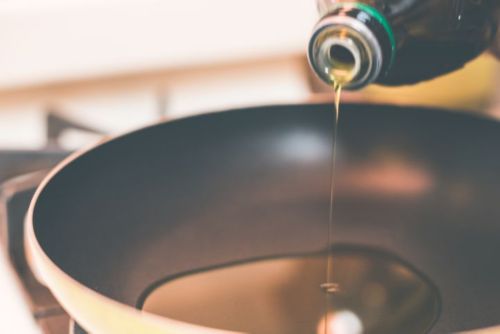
(395, 42)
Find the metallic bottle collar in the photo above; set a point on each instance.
(360, 30)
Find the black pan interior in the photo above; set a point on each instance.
(241, 184)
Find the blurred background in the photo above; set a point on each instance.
(73, 71)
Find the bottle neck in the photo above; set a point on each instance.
(353, 45)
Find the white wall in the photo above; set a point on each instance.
(52, 41)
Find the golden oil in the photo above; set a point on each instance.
(379, 294)
(339, 76)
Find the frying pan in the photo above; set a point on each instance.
(217, 188)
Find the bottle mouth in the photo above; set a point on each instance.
(353, 45)
(343, 59)
(344, 51)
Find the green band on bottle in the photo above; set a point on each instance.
(380, 18)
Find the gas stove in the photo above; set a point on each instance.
(20, 173)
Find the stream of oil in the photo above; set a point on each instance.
(330, 286)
